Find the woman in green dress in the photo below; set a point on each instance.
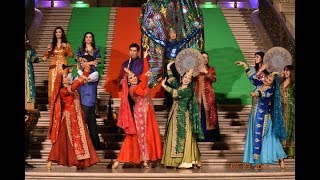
(288, 105)
(183, 125)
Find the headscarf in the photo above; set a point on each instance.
(195, 114)
(276, 112)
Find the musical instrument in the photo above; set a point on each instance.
(31, 119)
(187, 59)
(277, 58)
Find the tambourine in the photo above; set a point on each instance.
(277, 58)
(187, 59)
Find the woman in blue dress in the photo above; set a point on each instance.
(266, 128)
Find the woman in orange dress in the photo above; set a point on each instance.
(68, 132)
(60, 48)
(143, 142)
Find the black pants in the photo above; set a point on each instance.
(90, 116)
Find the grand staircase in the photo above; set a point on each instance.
(220, 160)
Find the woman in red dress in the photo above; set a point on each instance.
(68, 132)
(143, 141)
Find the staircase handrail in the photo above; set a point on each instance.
(276, 27)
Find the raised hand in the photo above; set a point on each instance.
(163, 83)
(169, 64)
(64, 45)
(149, 73)
(146, 53)
(239, 63)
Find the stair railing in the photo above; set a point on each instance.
(276, 27)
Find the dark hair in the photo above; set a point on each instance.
(54, 38)
(88, 57)
(93, 44)
(257, 65)
(134, 45)
(291, 69)
(27, 45)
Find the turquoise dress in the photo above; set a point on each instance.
(30, 89)
(262, 145)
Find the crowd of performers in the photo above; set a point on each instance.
(193, 116)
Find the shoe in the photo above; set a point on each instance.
(145, 165)
(27, 165)
(115, 165)
(281, 163)
(49, 164)
(185, 166)
(198, 165)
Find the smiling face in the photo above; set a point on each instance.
(172, 34)
(287, 73)
(186, 79)
(267, 79)
(88, 38)
(58, 33)
(205, 58)
(132, 79)
(257, 59)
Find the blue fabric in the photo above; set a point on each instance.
(262, 146)
(277, 115)
(88, 92)
(271, 149)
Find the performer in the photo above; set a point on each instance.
(288, 105)
(88, 96)
(134, 63)
(169, 27)
(30, 88)
(89, 47)
(60, 48)
(183, 125)
(68, 132)
(143, 141)
(265, 126)
(206, 101)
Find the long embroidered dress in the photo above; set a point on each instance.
(288, 105)
(146, 143)
(68, 132)
(30, 91)
(181, 146)
(59, 57)
(207, 104)
(262, 145)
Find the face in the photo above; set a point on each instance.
(186, 79)
(286, 73)
(58, 33)
(257, 59)
(133, 52)
(88, 39)
(132, 79)
(267, 79)
(205, 57)
(66, 79)
(173, 35)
